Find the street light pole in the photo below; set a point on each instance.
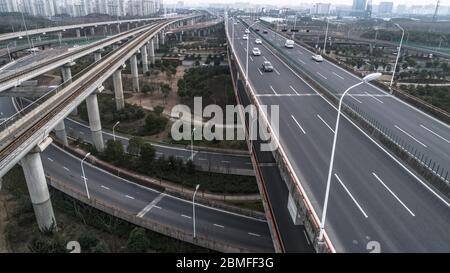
(192, 144)
(326, 36)
(193, 208)
(84, 175)
(9, 52)
(114, 134)
(398, 55)
(25, 25)
(367, 78)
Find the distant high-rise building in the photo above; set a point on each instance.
(321, 8)
(8, 6)
(385, 8)
(361, 8)
(401, 9)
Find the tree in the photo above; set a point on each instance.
(137, 241)
(165, 90)
(87, 240)
(113, 151)
(101, 247)
(154, 123)
(158, 109)
(134, 145)
(147, 153)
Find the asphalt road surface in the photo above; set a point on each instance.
(373, 197)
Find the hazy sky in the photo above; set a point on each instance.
(291, 2)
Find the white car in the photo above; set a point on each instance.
(258, 41)
(289, 44)
(256, 51)
(317, 58)
(247, 31)
(245, 37)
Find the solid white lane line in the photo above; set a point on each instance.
(286, 95)
(150, 205)
(337, 75)
(322, 75)
(67, 169)
(104, 187)
(351, 96)
(185, 216)
(273, 90)
(49, 159)
(306, 236)
(298, 124)
(393, 194)
(370, 95)
(130, 197)
(408, 134)
(220, 226)
(158, 207)
(329, 127)
(351, 196)
(253, 234)
(436, 134)
(301, 61)
(293, 89)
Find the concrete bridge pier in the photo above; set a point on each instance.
(105, 30)
(118, 89)
(144, 59)
(157, 42)
(94, 121)
(60, 132)
(92, 31)
(37, 187)
(118, 28)
(66, 74)
(78, 32)
(134, 73)
(128, 26)
(163, 40)
(151, 51)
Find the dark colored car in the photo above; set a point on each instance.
(265, 31)
(267, 66)
(257, 29)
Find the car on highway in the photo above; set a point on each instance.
(258, 41)
(256, 51)
(245, 37)
(247, 31)
(267, 66)
(265, 31)
(257, 29)
(317, 58)
(289, 43)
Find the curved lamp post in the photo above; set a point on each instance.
(367, 78)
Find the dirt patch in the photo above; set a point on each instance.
(4, 248)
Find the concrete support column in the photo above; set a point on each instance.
(60, 132)
(105, 30)
(152, 51)
(37, 187)
(94, 121)
(66, 73)
(157, 42)
(92, 31)
(118, 28)
(78, 32)
(163, 38)
(97, 56)
(128, 26)
(118, 89)
(134, 73)
(144, 59)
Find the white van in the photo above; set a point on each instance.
(289, 44)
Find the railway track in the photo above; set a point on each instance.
(66, 55)
(26, 131)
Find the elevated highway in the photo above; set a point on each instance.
(374, 198)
